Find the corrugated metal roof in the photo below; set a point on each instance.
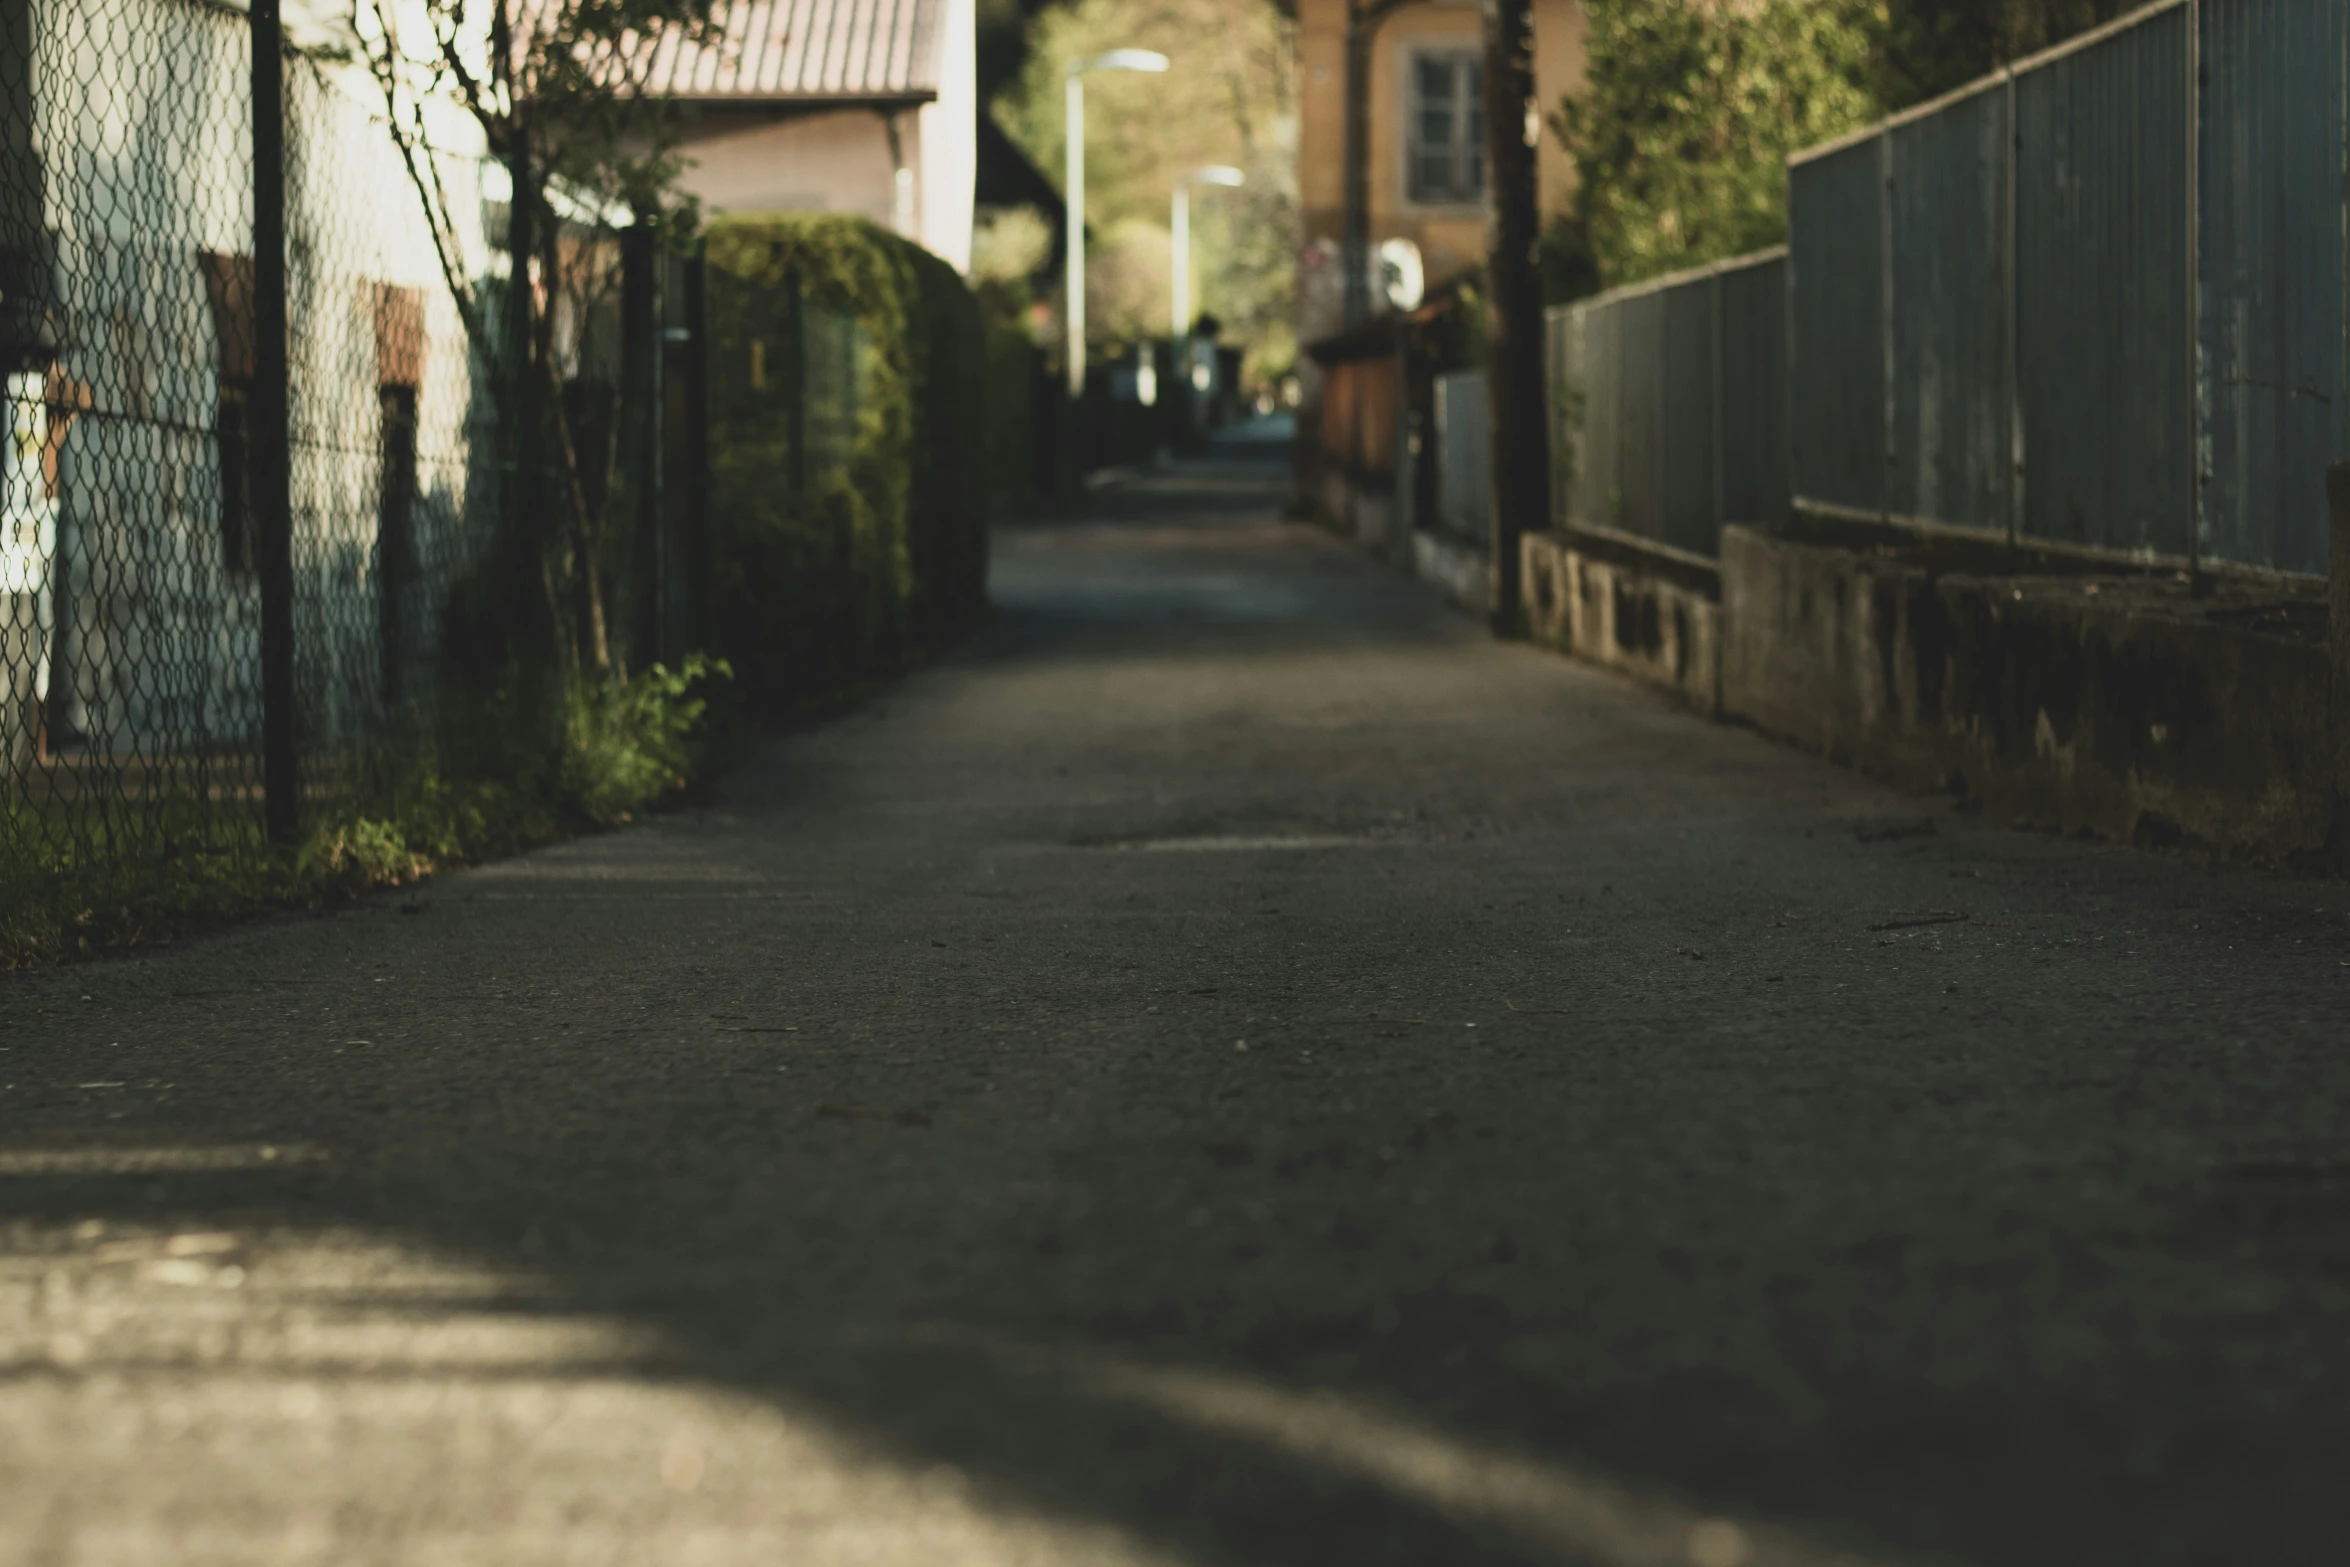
(777, 50)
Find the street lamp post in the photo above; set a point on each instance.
(1074, 268)
(1180, 305)
(1180, 227)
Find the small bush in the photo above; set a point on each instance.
(465, 791)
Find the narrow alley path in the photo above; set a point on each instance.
(1234, 1068)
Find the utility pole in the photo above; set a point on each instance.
(25, 338)
(1513, 312)
(1362, 31)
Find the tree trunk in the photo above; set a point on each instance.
(1513, 319)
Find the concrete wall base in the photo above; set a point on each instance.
(1656, 622)
(1460, 570)
(2121, 707)
(1356, 511)
(2124, 706)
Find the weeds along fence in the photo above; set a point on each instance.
(210, 658)
(1668, 404)
(2096, 300)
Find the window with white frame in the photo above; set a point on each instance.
(1445, 120)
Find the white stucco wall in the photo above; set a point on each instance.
(950, 140)
(841, 160)
(834, 161)
(140, 121)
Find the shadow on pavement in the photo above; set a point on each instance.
(1284, 1109)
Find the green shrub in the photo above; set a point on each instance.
(462, 790)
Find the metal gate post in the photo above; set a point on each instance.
(270, 474)
(640, 403)
(701, 562)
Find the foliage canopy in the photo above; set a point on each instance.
(1689, 109)
(1231, 98)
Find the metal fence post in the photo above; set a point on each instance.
(270, 474)
(1885, 323)
(795, 389)
(24, 280)
(2194, 173)
(1720, 411)
(640, 401)
(523, 477)
(701, 564)
(2338, 637)
(2012, 347)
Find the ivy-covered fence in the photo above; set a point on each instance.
(856, 442)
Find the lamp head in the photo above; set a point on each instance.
(1120, 60)
(1219, 174)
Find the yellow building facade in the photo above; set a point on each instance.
(1426, 125)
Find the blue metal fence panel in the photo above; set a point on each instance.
(1640, 415)
(1562, 373)
(1754, 392)
(1600, 485)
(2101, 292)
(2274, 206)
(1685, 453)
(1836, 371)
(1950, 458)
(1464, 455)
(1670, 404)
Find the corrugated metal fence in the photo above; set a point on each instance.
(2086, 302)
(2095, 300)
(1668, 404)
(1464, 455)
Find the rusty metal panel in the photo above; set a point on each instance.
(1949, 458)
(1640, 430)
(1836, 371)
(1685, 449)
(2101, 291)
(2273, 211)
(1753, 478)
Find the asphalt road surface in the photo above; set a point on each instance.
(1235, 1067)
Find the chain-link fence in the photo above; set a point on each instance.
(138, 495)
(133, 655)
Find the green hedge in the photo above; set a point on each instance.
(832, 572)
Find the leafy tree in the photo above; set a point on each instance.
(1927, 47)
(1688, 111)
(557, 90)
(1230, 97)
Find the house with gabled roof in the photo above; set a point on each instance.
(860, 106)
